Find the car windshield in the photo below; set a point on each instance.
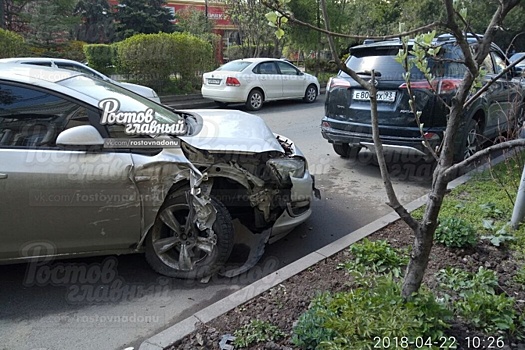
(129, 101)
(235, 66)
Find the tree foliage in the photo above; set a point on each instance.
(139, 16)
(96, 21)
(254, 32)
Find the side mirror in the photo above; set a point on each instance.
(80, 137)
(518, 71)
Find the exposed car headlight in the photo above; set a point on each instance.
(286, 167)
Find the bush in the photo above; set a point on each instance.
(324, 65)
(158, 59)
(351, 320)
(12, 44)
(456, 233)
(490, 313)
(74, 50)
(101, 57)
(376, 257)
(150, 58)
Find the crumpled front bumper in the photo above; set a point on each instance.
(298, 209)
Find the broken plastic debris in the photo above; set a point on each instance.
(225, 343)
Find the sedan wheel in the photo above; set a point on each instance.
(255, 100)
(175, 247)
(311, 94)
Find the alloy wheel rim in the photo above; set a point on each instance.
(178, 245)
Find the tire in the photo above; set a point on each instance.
(310, 94)
(221, 104)
(255, 100)
(204, 259)
(345, 150)
(472, 140)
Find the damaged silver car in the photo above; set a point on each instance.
(88, 168)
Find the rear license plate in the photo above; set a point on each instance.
(214, 81)
(382, 96)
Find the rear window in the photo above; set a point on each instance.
(382, 61)
(235, 66)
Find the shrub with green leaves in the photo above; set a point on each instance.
(101, 57)
(476, 301)
(455, 232)
(255, 332)
(12, 44)
(351, 320)
(377, 257)
(461, 281)
(490, 313)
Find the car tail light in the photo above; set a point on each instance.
(442, 86)
(337, 82)
(325, 124)
(232, 81)
(431, 136)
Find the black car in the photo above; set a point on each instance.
(347, 122)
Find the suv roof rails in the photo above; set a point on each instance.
(448, 36)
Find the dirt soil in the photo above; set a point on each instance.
(283, 304)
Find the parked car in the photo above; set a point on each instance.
(90, 168)
(77, 66)
(520, 67)
(347, 122)
(253, 81)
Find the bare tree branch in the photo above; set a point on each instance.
(456, 168)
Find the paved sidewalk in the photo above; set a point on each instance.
(181, 329)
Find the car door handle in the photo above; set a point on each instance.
(3, 176)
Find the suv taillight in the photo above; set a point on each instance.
(337, 82)
(442, 86)
(231, 81)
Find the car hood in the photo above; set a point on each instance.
(232, 131)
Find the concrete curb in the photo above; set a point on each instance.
(178, 331)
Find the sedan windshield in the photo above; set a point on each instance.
(129, 101)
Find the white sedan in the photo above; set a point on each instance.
(82, 68)
(254, 81)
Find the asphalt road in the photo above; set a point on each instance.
(117, 302)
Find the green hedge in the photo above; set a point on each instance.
(101, 57)
(163, 60)
(12, 44)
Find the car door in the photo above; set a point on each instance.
(501, 97)
(270, 79)
(76, 201)
(294, 81)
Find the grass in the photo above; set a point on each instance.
(489, 195)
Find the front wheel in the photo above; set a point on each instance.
(255, 100)
(177, 248)
(311, 94)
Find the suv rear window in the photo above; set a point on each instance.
(382, 61)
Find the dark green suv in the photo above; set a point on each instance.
(347, 122)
